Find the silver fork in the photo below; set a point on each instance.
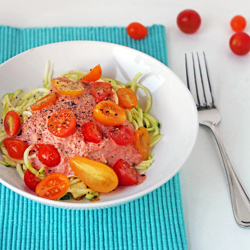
(209, 116)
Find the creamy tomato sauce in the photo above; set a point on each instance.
(35, 130)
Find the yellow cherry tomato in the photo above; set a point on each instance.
(142, 142)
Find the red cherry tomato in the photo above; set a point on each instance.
(122, 135)
(136, 30)
(127, 174)
(240, 43)
(31, 180)
(91, 132)
(15, 148)
(238, 23)
(188, 21)
(100, 90)
(12, 123)
(62, 123)
(48, 155)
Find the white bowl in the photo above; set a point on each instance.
(172, 105)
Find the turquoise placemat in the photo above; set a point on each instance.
(154, 221)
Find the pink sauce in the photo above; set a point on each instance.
(34, 131)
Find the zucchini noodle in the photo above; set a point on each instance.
(21, 104)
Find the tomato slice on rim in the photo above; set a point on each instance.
(12, 123)
(44, 102)
(100, 90)
(31, 180)
(53, 186)
(127, 98)
(95, 175)
(93, 75)
(142, 142)
(109, 113)
(91, 132)
(48, 155)
(122, 135)
(62, 123)
(67, 87)
(15, 148)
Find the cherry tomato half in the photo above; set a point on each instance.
(240, 43)
(12, 123)
(93, 75)
(188, 21)
(44, 102)
(91, 132)
(48, 155)
(62, 123)
(238, 23)
(31, 180)
(53, 186)
(95, 175)
(67, 87)
(15, 148)
(127, 98)
(122, 135)
(142, 142)
(109, 113)
(136, 30)
(100, 90)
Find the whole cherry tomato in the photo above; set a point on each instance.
(136, 30)
(12, 123)
(15, 148)
(44, 102)
(127, 98)
(240, 43)
(31, 180)
(188, 21)
(122, 135)
(93, 75)
(100, 90)
(48, 155)
(238, 23)
(91, 132)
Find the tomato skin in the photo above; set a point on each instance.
(15, 148)
(137, 30)
(44, 102)
(238, 23)
(240, 43)
(48, 155)
(93, 75)
(12, 123)
(188, 21)
(100, 90)
(142, 142)
(127, 98)
(95, 175)
(62, 123)
(31, 180)
(91, 132)
(122, 135)
(109, 113)
(53, 186)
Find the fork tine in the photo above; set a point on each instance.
(208, 79)
(196, 86)
(187, 71)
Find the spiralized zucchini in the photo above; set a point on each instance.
(21, 104)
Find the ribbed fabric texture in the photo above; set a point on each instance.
(154, 221)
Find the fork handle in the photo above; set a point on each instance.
(239, 198)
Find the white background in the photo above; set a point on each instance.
(209, 220)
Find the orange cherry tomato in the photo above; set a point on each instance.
(62, 123)
(12, 123)
(67, 87)
(238, 23)
(95, 175)
(93, 75)
(109, 113)
(136, 30)
(53, 186)
(127, 98)
(15, 148)
(142, 142)
(44, 102)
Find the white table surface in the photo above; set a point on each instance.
(210, 224)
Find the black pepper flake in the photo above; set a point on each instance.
(62, 100)
(143, 175)
(78, 125)
(72, 103)
(48, 116)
